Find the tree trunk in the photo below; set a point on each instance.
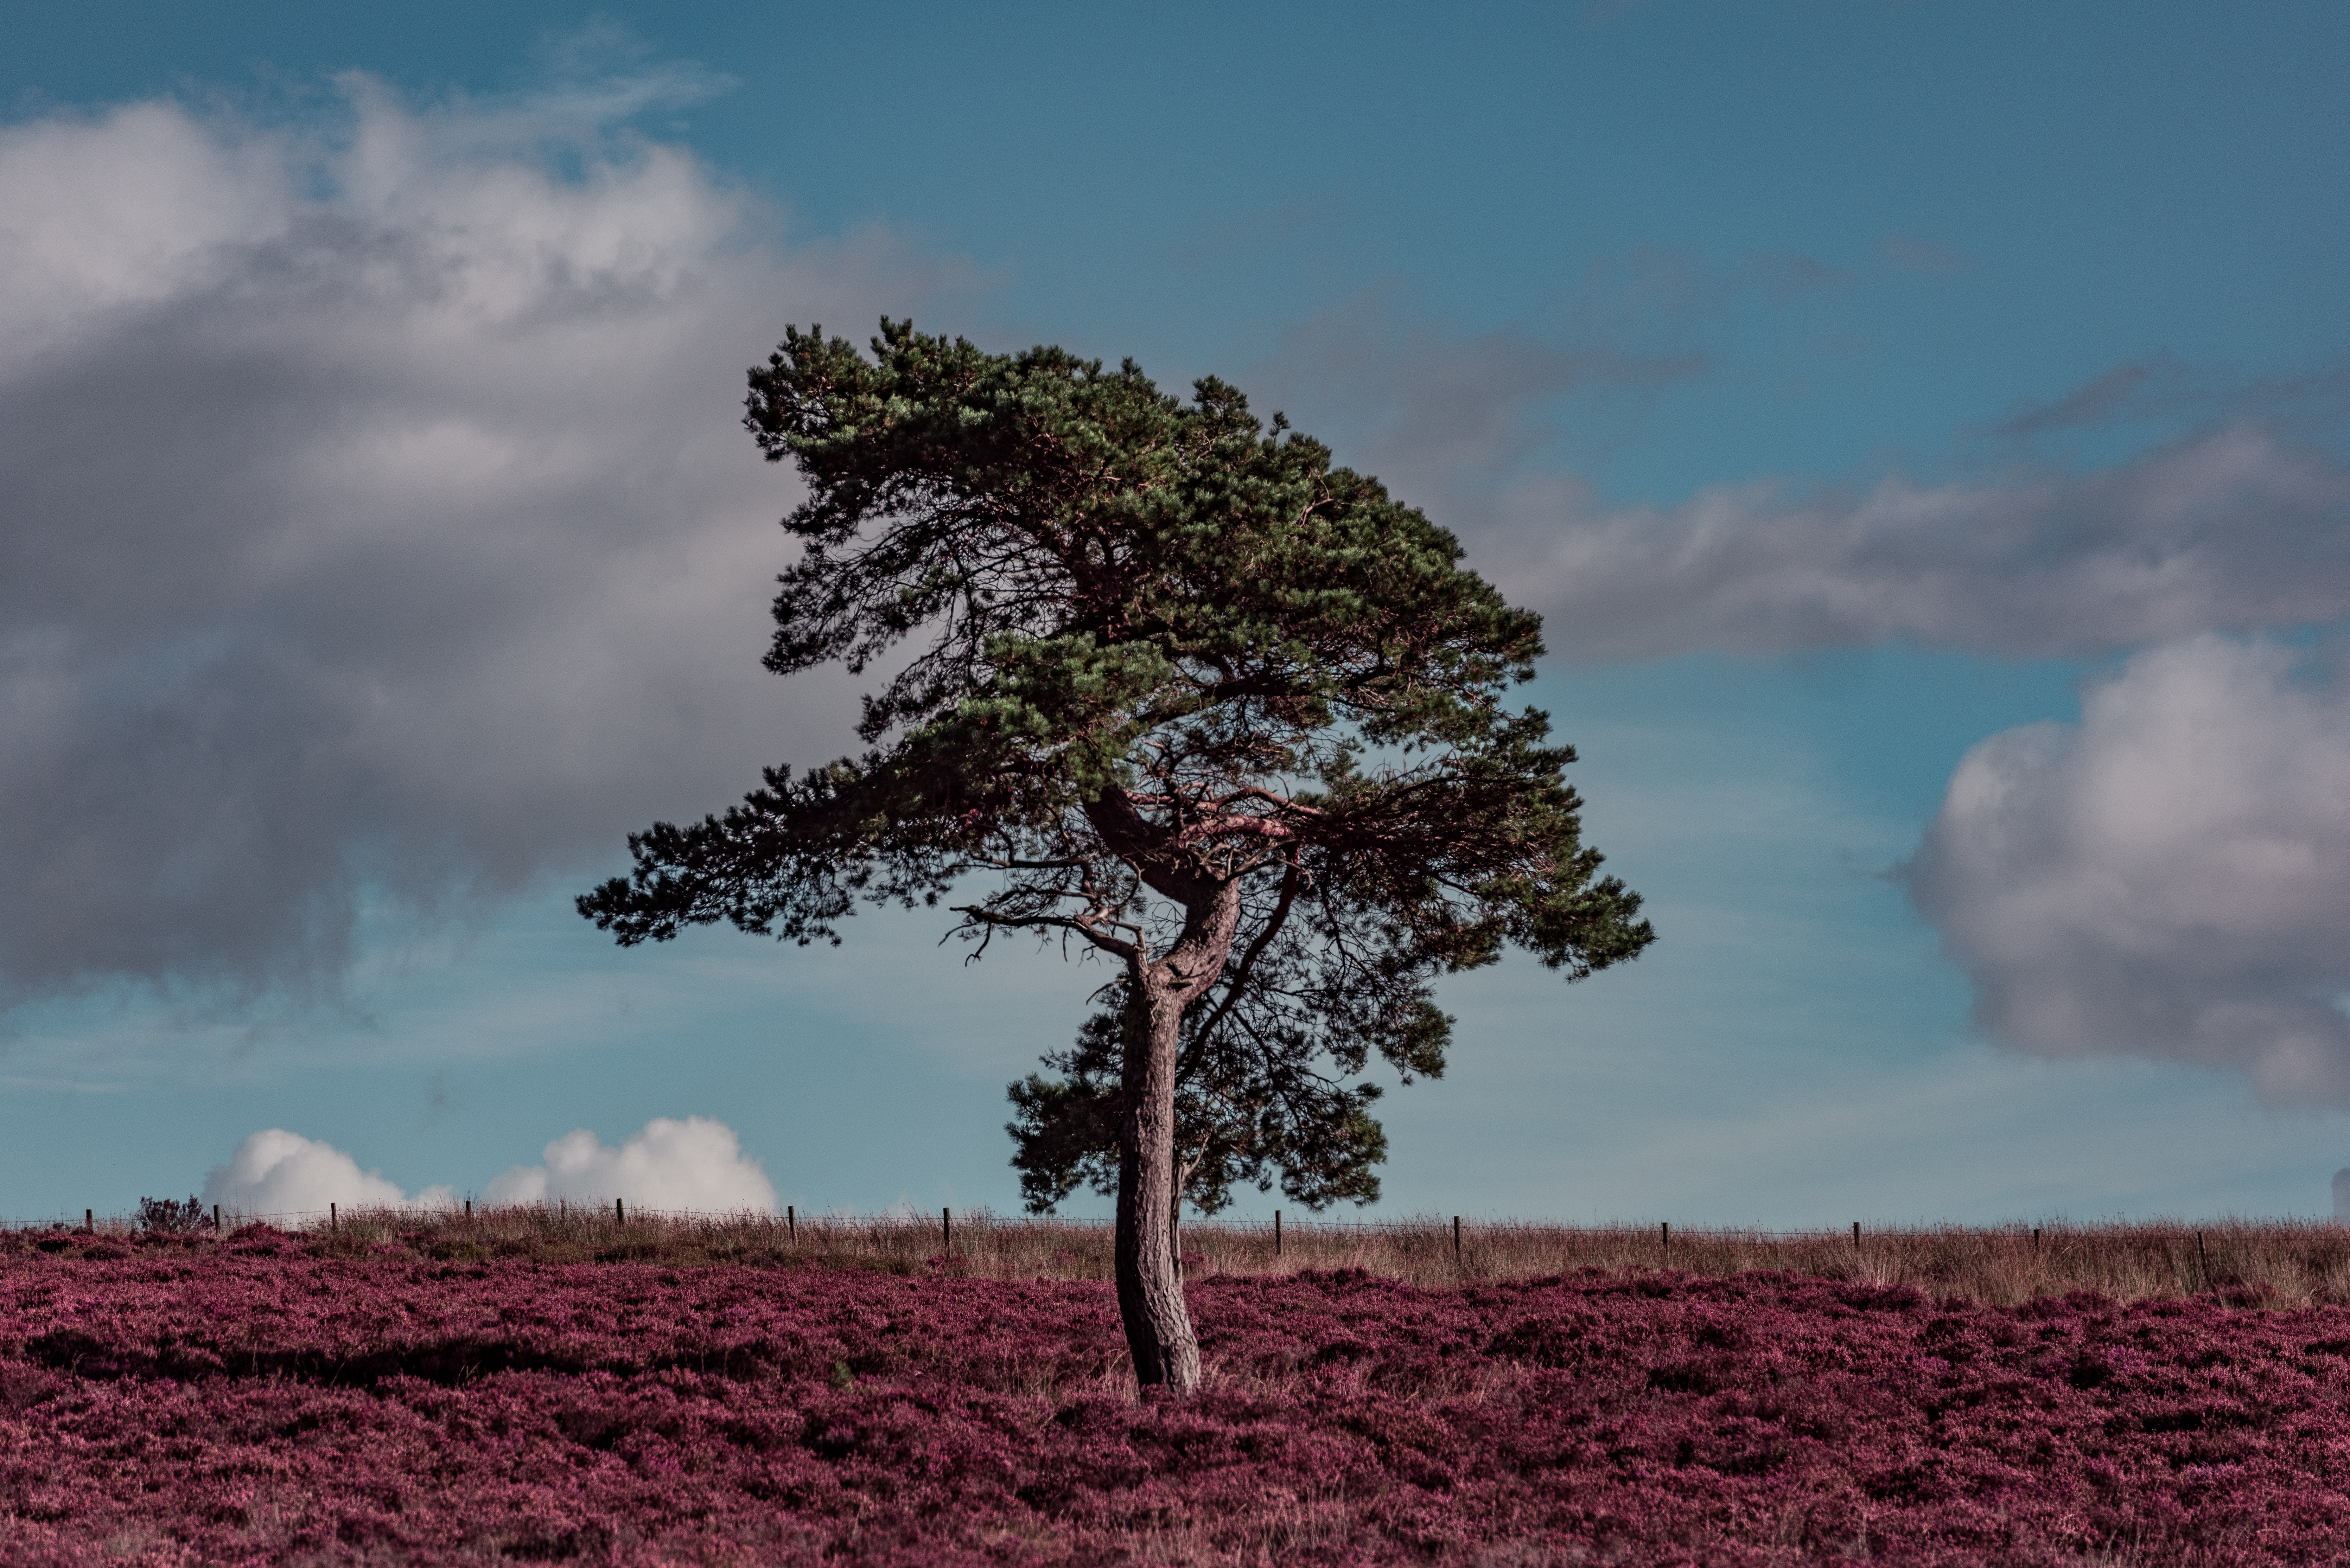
(1149, 1281)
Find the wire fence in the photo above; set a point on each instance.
(230, 1217)
(2259, 1263)
(1665, 1235)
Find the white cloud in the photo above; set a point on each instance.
(2171, 878)
(694, 1164)
(276, 1172)
(374, 511)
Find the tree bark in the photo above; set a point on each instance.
(1150, 1286)
(1149, 1279)
(1149, 1272)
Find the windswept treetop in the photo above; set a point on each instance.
(1181, 690)
(1037, 500)
(1147, 631)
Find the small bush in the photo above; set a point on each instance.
(171, 1217)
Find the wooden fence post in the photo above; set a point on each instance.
(469, 1208)
(1856, 1235)
(2035, 1238)
(619, 1213)
(792, 1221)
(1276, 1232)
(89, 1220)
(946, 1229)
(216, 1216)
(1664, 1239)
(334, 1218)
(1456, 1237)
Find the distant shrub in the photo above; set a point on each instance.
(171, 1217)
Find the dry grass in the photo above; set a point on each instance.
(2285, 1262)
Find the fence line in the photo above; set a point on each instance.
(2249, 1263)
(1668, 1234)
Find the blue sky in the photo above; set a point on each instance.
(1850, 385)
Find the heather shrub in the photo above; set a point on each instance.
(170, 1217)
(254, 1400)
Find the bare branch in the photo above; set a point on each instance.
(983, 916)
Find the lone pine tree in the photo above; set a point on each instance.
(1169, 685)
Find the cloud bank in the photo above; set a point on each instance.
(2227, 530)
(697, 1164)
(375, 519)
(279, 1172)
(2171, 878)
(2234, 525)
(376, 533)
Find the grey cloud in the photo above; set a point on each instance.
(2171, 878)
(2121, 389)
(2160, 389)
(1788, 276)
(1680, 285)
(1442, 411)
(1912, 253)
(2240, 526)
(2229, 529)
(399, 540)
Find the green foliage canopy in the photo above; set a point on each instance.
(1143, 653)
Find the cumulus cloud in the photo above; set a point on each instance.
(2169, 878)
(697, 1164)
(375, 519)
(694, 1164)
(279, 1172)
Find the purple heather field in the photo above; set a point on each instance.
(249, 1402)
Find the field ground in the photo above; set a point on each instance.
(559, 1386)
